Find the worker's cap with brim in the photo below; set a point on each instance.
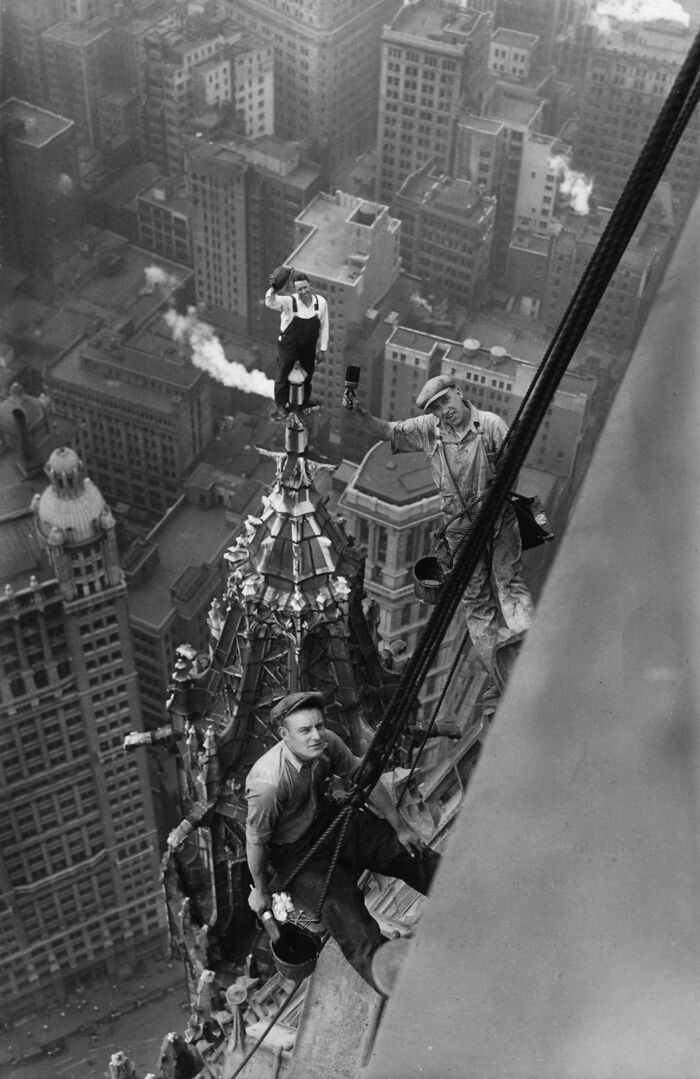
(434, 388)
(294, 701)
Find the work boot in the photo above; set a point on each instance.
(387, 962)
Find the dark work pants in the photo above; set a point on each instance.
(370, 843)
(296, 345)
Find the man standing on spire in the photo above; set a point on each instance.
(303, 337)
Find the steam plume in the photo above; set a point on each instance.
(637, 11)
(156, 275)
(576, 186)
(208, 354)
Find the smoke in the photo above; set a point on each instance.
(208, 354)
(575, 186)
(637, 11)
(156, 275)
(64, 184)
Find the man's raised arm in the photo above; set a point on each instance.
(379, 429)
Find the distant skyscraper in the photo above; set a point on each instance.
(621, 312)
(434, 61)
(630, 73)
(79, 62)
(446, 231)
(326, 66)
(143, 413)
(194, 65)
(40, 196)
(243, 199)
(28, 19)
(78, 861)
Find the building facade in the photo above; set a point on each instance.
(391, 505)
(623, 308)
(196, 65)
(630, 73)
(143, 413)
(79, 855)
(80, 58)
(163, 223)
(326, 67)
(243, 199)
(446, 232)
(434, 62)
(40, 197)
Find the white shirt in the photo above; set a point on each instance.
(283, 304)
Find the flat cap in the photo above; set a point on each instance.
(294, 701)
(434, 388)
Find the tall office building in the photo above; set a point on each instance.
(79, 860)
(195, 64)
(489, 150)
(630, 73)
(446, 231)
(80, 65)
(623, 308)
(553, 21)
(434, 63)
(143, 413)
(26, 22)
(326, 67)
(40, 197)
(349, 249)
(243, 198)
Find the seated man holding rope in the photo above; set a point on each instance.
(461, 443)
(289, 810)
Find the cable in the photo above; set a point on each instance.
(662, 140)
(436, 709)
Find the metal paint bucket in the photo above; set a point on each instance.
(296, 951)
(427, 579)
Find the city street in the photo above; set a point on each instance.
(133, 1016)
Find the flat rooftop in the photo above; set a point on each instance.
(515, 38)
(76, 34)
(40, 125)
(429, 20)
(454, 195)
(188, 538)
(514, 110)
(330, 242)
(481, 123)
(403, 337)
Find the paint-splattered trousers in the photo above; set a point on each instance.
(497, 602)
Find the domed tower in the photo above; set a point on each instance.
(80, 826)
(76, 528)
